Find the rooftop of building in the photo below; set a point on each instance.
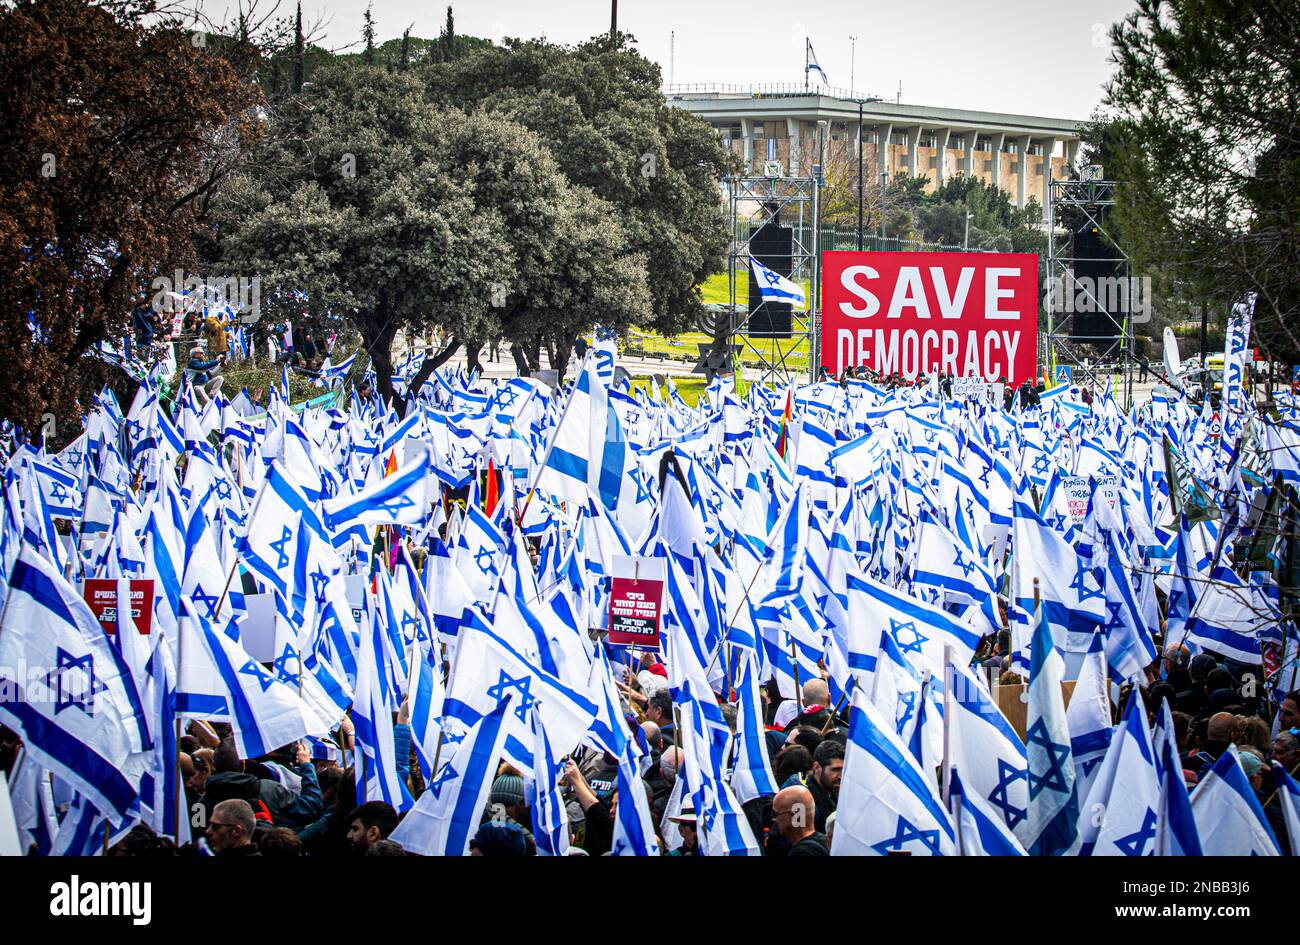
(720, 101)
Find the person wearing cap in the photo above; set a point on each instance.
(506, 805)
(688, 827)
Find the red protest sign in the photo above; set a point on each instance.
(636, 602)
(101, 595)
(964, 314)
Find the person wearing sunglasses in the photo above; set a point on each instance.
(230, 829)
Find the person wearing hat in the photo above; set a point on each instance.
(506, 805)
(688, 826)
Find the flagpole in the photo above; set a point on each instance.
(948, 680)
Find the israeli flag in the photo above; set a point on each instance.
(1228, 815)
(634, 832)
(443, 820)
(980, 832)
(887, 803)
(79, 719)
(403, 498)
(1122, 811)
(1052, 826)
(218, 680)
(776, 288)
(812, 63)
(1288, 798)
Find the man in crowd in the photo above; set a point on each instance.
(794, 813)
(230, 830)
(368, 824)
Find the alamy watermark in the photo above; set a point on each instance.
(185, 292)
(1110, 294)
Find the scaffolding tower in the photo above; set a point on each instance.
(1074, 205)
(754, 202)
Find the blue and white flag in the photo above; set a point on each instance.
(1052, 826)
(404, 498)
(1177, 826)
(887, 803)
(773, 287)
(544, 796)
(1228, 815)
(1088, 717)
(219, 681)
(634, 832)
(79, 718)
(812, 63)
(1288, 798)
(1121, 813)
(980, 831)
(446, 817)
(752, 775)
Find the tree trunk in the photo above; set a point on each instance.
(472, 348)
(521, 360)
(432, 364)
(377, 333)
(560, 355)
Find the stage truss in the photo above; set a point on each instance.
(1088, 203)
(752, 203)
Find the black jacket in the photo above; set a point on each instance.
(286, 808)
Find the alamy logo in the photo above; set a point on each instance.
(75, 898)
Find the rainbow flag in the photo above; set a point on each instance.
(783, 438)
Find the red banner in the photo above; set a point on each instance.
(634, 612)
(101, 595)
(964, 314)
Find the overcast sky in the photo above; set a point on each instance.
(1032, 57)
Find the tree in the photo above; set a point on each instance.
(118, 126)
(449, 37)
(404, 214)
(600, 112)
(1205, 98)
(368, 35)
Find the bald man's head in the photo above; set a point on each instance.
(1219, 728)
(816, 692)
(793, 812)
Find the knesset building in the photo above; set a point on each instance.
(779, 123)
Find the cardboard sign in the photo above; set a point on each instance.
(636, 602)
(101, 595)
(964, 314)
(968, 387)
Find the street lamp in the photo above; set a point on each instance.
(884, 188)
(965, 240)
(861, 188)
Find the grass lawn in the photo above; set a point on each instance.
(689, 387)
(715, 291)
